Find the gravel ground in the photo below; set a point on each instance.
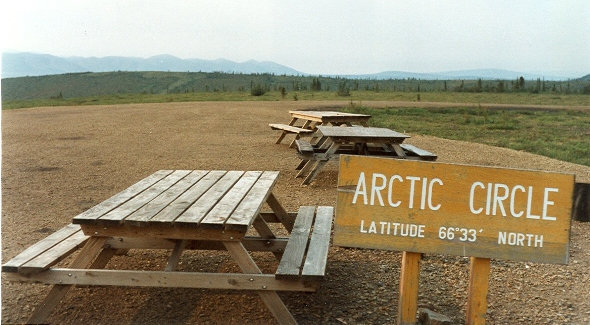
(60, 161)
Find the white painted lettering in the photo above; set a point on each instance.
(547, 202)
(390, 191)
(412, 180)
(432, 182)
(472, 195)
(383, 224)
(376, 189)
(372, 228)
(529, 205)
(361, 189)
(512, 205)
(502, 199)
(363, 230)
(520, 239)
(399, 229)
(499, 199)
(489, 199)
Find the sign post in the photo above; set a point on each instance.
(426, 207)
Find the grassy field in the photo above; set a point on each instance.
(559, 134)
(355, 96)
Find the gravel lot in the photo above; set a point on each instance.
(60, 161)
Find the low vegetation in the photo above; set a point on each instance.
(559, 134)
(165, 86)
(285, 95)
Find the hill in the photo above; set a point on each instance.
(485, 74)
(31, 64)
(88, 84)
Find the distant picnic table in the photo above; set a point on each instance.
(311, 119)
(333, 141)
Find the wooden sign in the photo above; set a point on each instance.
(429, 207)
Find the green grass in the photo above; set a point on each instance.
(559, 134)
(356, 97)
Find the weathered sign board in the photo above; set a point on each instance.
(464, 210)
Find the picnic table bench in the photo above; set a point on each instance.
(370, 141)
(311, 119)
(185, 210)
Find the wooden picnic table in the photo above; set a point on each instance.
(311, 119)
(333, 141)
(179, 210)
(329, 117)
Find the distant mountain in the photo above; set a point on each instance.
(31, 64)
(487, 74)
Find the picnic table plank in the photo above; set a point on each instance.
(289, 128)
(315, 262)
(244, 214)
(330, 116)
(294, 252)
(40, 247)
(100, 209)
(361, 134)
(224, 208)
(151, 209)
(91, 250)
(195, 213)
(125, 209)
(184, 201)
(55, 254)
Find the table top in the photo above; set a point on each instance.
(363, 134)
(186, 202)
(329, 116)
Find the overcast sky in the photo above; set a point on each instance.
(318, 37)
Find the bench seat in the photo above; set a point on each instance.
(307, 151)
(47, 252)
(290, 129)
(304, 147)
(414, 151)
(306, 253)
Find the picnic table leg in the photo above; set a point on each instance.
(301, 164)
(280, 212)
(270, 298)
(315, 135)
(281, 137)
(292, 144)
(314, 171)
(323, 143)
(399, 151)
(91, 250)
(320, 164)
(265, 232)
(305, 125)
(284, 133)
(175, 256)
(305, 168)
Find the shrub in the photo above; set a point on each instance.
(343, 89)
(257, 90)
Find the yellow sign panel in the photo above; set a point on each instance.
(429, 207)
